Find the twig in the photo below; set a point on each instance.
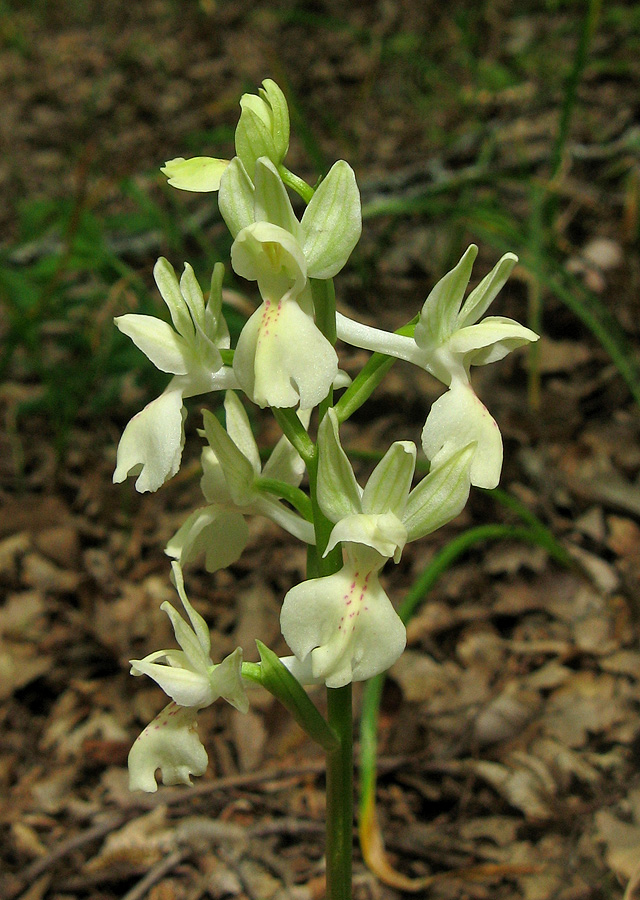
(155, 874)
(40, 866)
(633, 888)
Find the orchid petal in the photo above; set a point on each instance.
(440, 310)
(186, 687)
(339, 494)
(151, 444)
(390, 482)
(271, 256)
(193, 296)
(279, 118)
(440, 496)
(285, 463)
(239, 430)
(167, 282)
(482, 296)
(282, 357)
(384, 533)
(227, 682)
(346, 623)
(237, 469)
(215, 326)
(198, 623)
(235, 200)
(271, 201)
(459, 418)
(220, 534)
(200, 173)
(197, 658)
(489, 340)
(166, 349)
(169, 743)
(213, 483)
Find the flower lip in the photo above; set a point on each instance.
(345, 623)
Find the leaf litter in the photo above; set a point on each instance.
(510, 733)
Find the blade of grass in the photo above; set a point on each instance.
(585, 305)
(370, 836)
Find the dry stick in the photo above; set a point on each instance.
(155, 874)
(171, 797)
(633, 888)
(102, 828)
(40, 866)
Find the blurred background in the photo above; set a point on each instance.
(515, 126)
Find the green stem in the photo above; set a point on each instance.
(339, 702)
(369, 378)
(296, 183)
(340, 796)
(295, 431)
(293, 495)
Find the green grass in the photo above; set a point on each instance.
(61, 285)
(59, 306)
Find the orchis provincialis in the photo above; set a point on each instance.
(170, 742)
(263, 130)
(340, 626)
(345, 622)
(448, 340)
(151, 444)
(231, 484)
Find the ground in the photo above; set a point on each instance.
(509, 733)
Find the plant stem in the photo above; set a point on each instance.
(339, 847)
(340, 796)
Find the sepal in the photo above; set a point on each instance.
(339, 494)
(440, 496)
(220, 534)
(332, 222)
(200, 173)
(438, 319)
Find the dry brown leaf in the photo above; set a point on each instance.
(19, 665)
(586, 703)
(622, 840)
(250, 737)
(138, 845)
(522, 787)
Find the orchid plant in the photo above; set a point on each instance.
(339, 623)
